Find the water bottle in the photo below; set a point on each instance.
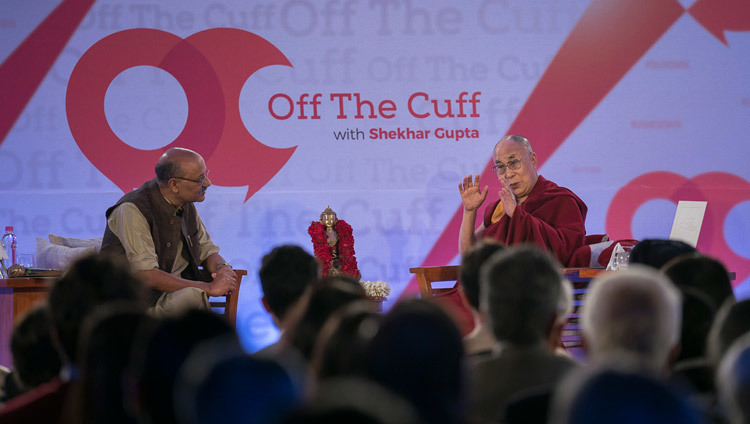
(10, 244)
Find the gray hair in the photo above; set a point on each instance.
(632, 319)
(520, 291)
(733, 380)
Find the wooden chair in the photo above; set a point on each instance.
(229, 302)
(426, 275)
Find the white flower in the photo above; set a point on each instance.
(376, 288)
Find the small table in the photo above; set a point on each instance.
(17, 295)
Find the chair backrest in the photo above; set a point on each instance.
(229, 302)
(426, 275)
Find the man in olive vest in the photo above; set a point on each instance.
(158, 228)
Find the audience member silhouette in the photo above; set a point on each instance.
(657, 252)
(106, 342)
(692, 369)
(158, 353)
(344, 341)
(286, 272)
(619, 397)
(35, 359)
(702, 273)
(631, 319)
(521, 291)
(705, 286)
(88, 283)
(220, 383)
(481, 340)
(733, 381)
(354, 400)
(417, 353)
(732, 321)
(326, 297)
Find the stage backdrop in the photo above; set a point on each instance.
(377, 108)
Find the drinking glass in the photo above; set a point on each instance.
(26, 259)
(621, 260)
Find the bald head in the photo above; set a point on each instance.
(516, 139)
(172, 163)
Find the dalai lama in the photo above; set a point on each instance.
(530, 208)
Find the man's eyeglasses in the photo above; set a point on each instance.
(513, 165)
(199, 180)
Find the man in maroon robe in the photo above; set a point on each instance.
(530, 208)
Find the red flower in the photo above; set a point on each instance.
(345, 247)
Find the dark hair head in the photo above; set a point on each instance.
(326, 297)
(702, 273)
(285, 273)
(106, 343)
(89, 282)
(418, 354)
(342, 345)
(354, 400)
(522, 289)
(731, 322)
(470, 265)
(220, 383)
(35, 359)
(657, 252)
(613, 396)
(698, 313)
(162, 347)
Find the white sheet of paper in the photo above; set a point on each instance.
(3, 254)
(688, 221)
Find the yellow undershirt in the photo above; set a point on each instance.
(498, 213)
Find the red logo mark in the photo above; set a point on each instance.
(722, 191)
(718, 16)
(211, 66)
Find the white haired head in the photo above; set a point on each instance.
(632, 319)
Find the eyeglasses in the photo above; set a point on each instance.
(513, 165)
(199, 180)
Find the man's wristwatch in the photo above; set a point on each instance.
(223, 264)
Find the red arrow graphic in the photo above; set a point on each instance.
(718, 16)
(25, 68)
(605, 43)
(237, 55)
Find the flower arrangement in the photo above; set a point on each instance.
(345, 247)
(376, 289)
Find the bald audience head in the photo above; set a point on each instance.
(632, 319)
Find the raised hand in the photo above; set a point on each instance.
(472, 196)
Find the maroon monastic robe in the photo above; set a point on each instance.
(552, 217)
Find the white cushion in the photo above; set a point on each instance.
(53, 256)
(76, 242)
